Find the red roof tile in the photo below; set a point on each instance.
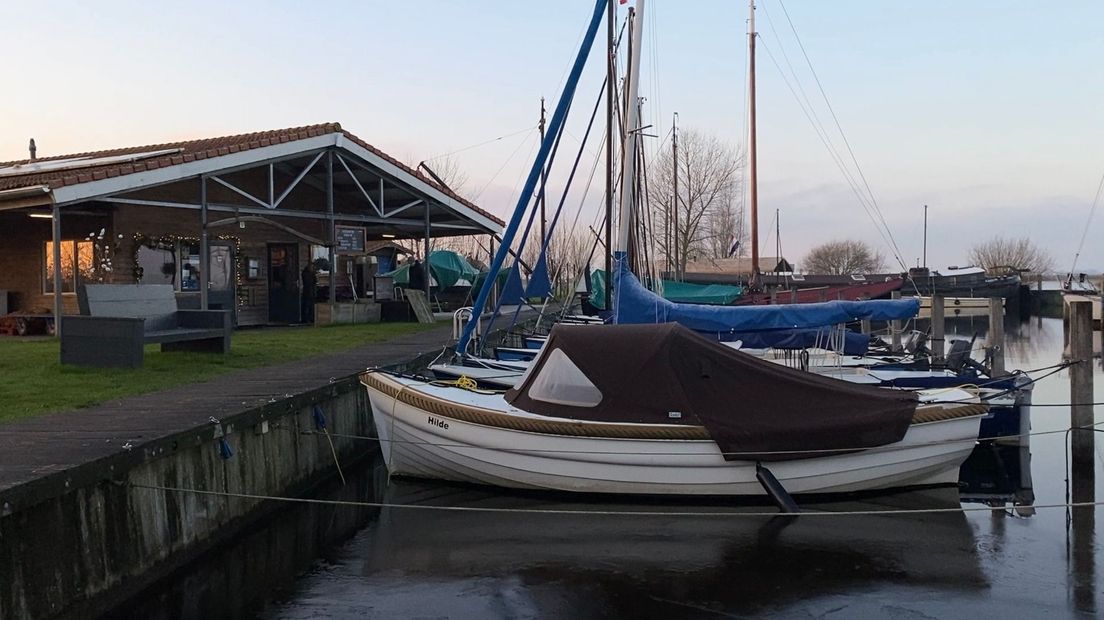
(193, 150)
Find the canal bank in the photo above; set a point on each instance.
(79, 534)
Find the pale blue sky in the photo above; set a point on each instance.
(989, 112)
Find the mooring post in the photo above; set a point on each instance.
(895, 328)
(937, 330)
(996, 335)
(1081, 396)
(1079, 333)
(864, 325)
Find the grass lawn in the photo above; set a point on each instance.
(33, 381)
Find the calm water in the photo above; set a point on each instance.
(312, 562)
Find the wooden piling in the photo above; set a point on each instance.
(996, 335)
(895, 328)
(1081, 393)
(864, 325)
(937, 325)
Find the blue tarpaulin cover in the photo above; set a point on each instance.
(854, 343)
(633, 303)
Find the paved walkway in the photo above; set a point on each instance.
(54, 442)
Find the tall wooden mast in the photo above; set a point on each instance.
(753, 172)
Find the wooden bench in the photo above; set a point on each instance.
(117, 320)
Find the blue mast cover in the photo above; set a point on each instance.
(633, 303)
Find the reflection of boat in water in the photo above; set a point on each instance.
(616, 565)
(997, 474)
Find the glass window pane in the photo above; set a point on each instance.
(84, 255)
(222, 268)
(158, 265)
(189, 266)
(67, 264)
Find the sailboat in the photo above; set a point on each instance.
(659, 409)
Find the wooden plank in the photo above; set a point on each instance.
(420, 305)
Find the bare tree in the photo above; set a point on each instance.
(844, 257)
(1001, 254)
(708, 188)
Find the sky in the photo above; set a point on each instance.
(989, 112)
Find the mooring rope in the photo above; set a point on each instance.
(619, 513)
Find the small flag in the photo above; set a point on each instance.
(733, 246)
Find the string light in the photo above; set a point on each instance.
(169, 242)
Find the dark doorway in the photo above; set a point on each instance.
(283, 283)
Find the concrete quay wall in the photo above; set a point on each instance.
(77, 542)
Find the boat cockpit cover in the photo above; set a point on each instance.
(667, 374)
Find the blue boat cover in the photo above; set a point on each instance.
(634, 304)
(854, 343)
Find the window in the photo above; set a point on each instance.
(158, 265)
(189, 266)
(320, 253)
(561, 382)
(77, 260)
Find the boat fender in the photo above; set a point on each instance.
(225, 451)
(319, 418)
(775, 490)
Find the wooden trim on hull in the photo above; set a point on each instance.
(381, 382)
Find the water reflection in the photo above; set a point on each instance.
(597, 564)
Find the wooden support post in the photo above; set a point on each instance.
(204, 248)
(56, 251)
(937, 325)
(425, 251)
(865, 326)
(895, 328)
(1081, 396)
(331, 237)
(774, 297)
(996, 335)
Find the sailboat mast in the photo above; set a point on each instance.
(753, 171)
(675, 196)
(544, 181)
(611, 79)
(632, 129)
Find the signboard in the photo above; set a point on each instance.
(349, 239)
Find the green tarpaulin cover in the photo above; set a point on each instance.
(448, 268)
(683, 292)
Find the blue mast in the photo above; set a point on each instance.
(558, 118)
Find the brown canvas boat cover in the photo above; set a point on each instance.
(667, 374)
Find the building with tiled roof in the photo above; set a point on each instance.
(250, 210)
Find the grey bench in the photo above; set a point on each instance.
(117, 320)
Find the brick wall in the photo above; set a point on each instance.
(23, 250)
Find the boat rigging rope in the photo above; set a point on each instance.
(839, 127)
(636, 513)
(1085, 231)
(485, 142)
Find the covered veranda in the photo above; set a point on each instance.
(228, 203)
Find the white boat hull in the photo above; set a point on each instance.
(431, 445)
